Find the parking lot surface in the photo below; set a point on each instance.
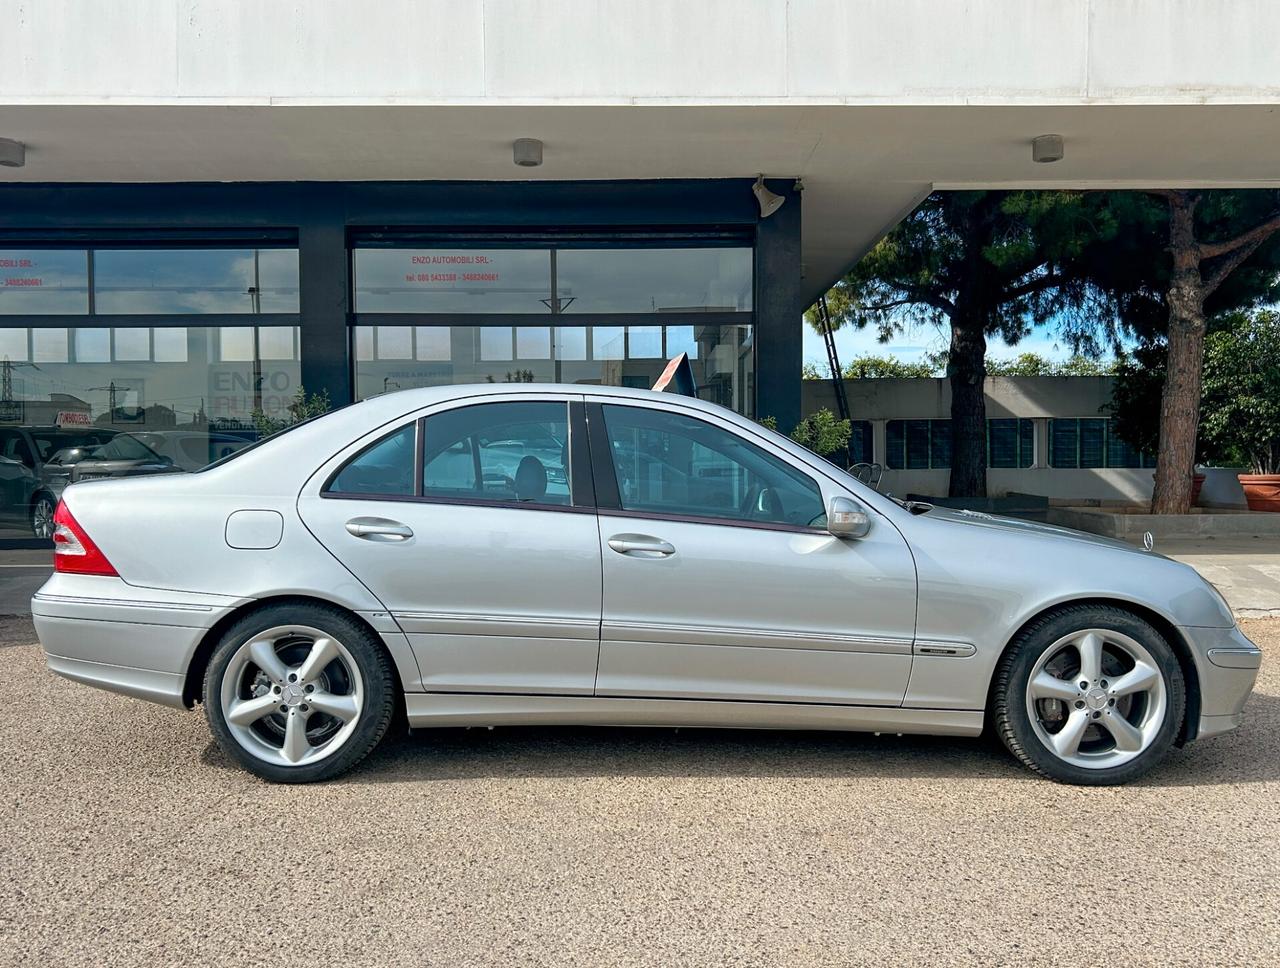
(127, 838)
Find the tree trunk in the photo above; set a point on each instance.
(967, 370)
(1180, 400)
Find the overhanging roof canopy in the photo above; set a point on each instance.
(871, 102)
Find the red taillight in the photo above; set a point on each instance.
(73, 550)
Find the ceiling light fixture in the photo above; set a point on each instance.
(527, 152)
(769, 201)
(1047, 148)
(13, 154)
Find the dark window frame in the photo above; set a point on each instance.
(581, 482)
(608, 495)
(1144, 461)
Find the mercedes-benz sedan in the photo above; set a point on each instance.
(522, 554)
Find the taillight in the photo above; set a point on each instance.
(73, 550)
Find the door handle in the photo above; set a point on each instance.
(379, 529)
(641, 546)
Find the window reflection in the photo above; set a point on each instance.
(148, 281)
(44, 281)
(166, 400)
(654, 280)
(455, 280)
(722, 358)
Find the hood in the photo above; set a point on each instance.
(979, 519)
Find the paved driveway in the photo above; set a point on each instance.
(127, 838)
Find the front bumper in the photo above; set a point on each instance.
(136, 641)
(1227, 664)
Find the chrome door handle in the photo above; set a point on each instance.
(641, 545)
(379, 529)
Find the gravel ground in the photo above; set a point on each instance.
(127, 838)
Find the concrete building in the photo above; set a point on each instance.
(263, 196)
(1046, 435)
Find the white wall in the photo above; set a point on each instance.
(660, 51)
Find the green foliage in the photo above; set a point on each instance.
(1005, 259)
(1033, 364)
(870, 367)
(1240, 413)
(821, 432)
(1135, 397)
(1132, 267)
(304, 406)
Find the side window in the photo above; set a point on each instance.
(384, 467)
(501, 452)
(667, 463)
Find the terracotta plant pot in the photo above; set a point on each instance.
(1261, 491)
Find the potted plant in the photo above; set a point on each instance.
(1241, 403)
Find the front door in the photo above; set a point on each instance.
(488, 556)
(720, 581)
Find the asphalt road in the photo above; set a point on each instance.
(127, 838)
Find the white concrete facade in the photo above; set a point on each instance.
(627, 52)
(872, 102)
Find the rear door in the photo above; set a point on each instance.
(475, 526)
(720, 580)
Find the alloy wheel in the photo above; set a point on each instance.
(1096, 698)
(292, 695)
(42, 518)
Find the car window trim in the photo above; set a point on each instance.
(715, 522)
(581, 489)
(609, 499)
(328, 483)
(466, 502)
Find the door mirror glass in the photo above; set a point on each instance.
(846, 518)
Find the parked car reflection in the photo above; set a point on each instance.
(31, 480)
(152, 452)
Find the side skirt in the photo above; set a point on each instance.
(459, 709)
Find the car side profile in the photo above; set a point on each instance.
(541, 554)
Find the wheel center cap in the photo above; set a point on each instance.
(292, 693)
(1096, 699)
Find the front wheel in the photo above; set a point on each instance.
(298, 693)
(1090, 695)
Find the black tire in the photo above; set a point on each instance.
(45, 505)
(1012, 717)
(369, 656)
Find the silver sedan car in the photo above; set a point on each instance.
(517, 554)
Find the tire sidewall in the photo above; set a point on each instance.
(372, 664)
(1028, 651)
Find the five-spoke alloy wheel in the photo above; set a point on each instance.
(298, 693)
(1089, 694)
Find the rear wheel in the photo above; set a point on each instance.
(42, 510)
(298, 693)
(1090, 695)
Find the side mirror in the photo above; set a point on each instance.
(847, 519)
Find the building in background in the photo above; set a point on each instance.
(219, 203)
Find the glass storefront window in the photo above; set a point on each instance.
(167, 400)
(149, 281)
(654, 280)
(723, 358)
(458, 280)
(43, 281)
(603, 280)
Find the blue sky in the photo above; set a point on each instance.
(912, 346)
